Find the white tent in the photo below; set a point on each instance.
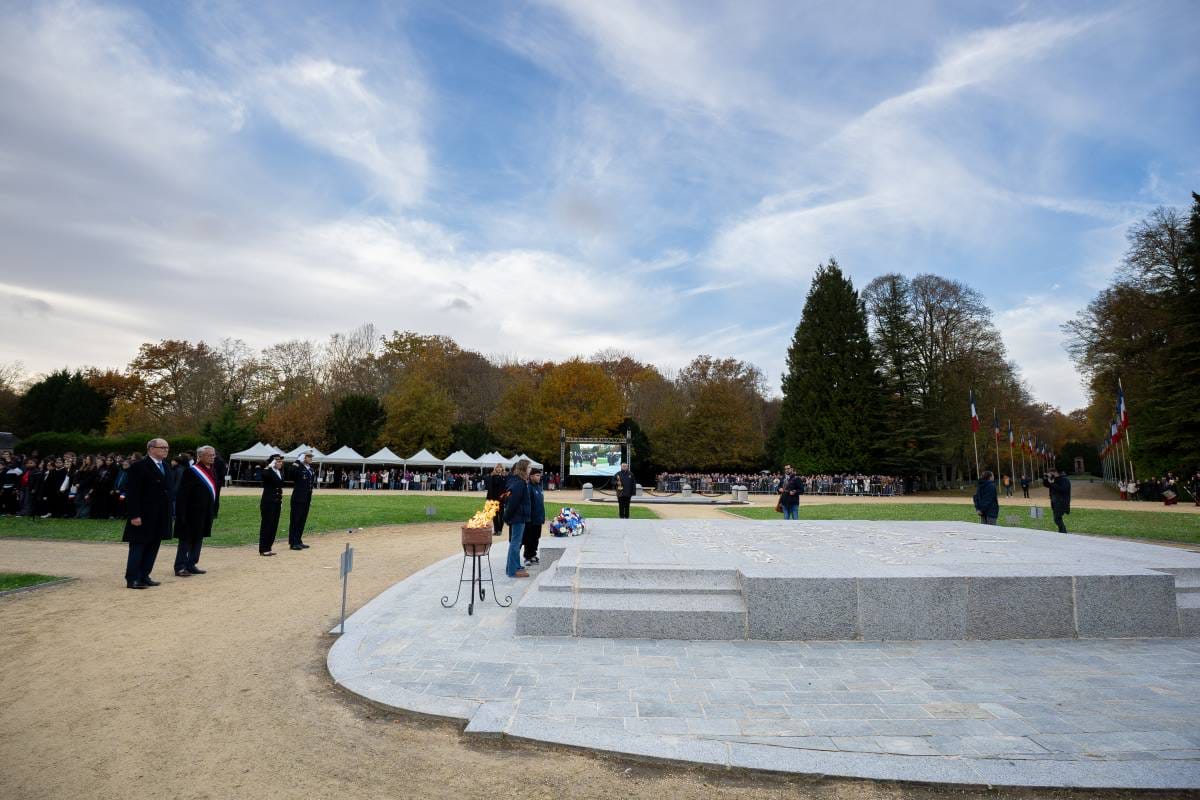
(343, 455)
(294, 455)
(531, 461)
(461, 459)
(424, 459)
(490, 459)
(508, 462)
(259, 452)
(384, 456)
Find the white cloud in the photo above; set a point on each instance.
(1035, 341)
(332, 107)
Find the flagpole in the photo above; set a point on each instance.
(975, 444)
(1012, 465)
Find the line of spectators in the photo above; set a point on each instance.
(67, 486)
(1165, 489)
(853, 484)
(345, 477)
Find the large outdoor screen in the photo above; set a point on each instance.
(594, 459)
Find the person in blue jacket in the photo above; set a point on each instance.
(537, 517)
(516, 514)
(987, 505)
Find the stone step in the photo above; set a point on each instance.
(652, 580)
(653, 615)
(1189, 613)
(1186, 587)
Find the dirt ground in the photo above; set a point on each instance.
(215, 687)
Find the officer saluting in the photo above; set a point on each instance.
(303, 480)
(270, 505)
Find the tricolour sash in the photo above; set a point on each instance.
(207, 481)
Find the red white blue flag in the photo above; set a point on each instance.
(974, 413)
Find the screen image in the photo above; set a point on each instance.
(594, 459)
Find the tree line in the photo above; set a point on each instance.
(875, 383)
(1144, 329)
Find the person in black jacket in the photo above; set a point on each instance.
(987, 504)
(149, 494)
(790, 489)
(1060, 496)
(270, 505)
(516, 514)
(625, 489)
(537, 517)
(495, 491)
(303, 481)
(195, 507)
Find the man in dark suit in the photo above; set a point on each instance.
(149, 495)
(303, 481)
(625, 490)
(195, 508)
(1060, 496)
(270, 505)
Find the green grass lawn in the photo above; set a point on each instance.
(1131, 524)
(19, 580)
(238, 522)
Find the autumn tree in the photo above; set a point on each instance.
(419, 414)
(517, 421)
(301, 419)
(180, 384)
(577, 397)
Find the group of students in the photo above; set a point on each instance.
(64, 487)
(1165, 489)
(523, 509)
(856, 484)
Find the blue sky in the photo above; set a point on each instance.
(550, 178)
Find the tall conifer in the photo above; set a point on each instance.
(831, 391)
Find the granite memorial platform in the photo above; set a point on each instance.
(897, 581)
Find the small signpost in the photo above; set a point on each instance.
(347, 564)
(1036, 512)
(430, 511)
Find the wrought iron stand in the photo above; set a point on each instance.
(476, 554)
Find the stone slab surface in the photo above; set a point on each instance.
(1069, 712)
(861, 580)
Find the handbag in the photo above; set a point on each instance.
(779, 506)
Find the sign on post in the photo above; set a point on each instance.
(347, 564)
(1036, 512)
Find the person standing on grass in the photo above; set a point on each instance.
(625, 490)
(195, 507)
(987, 505)
(1060, 496)
(303, 481)
(270, 504)
(789, 491)
(149, 494)
(516, 511)
(537, 517)
(495, 491)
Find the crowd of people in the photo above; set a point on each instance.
(854, 484)
(70, 486)
(1166, 489)
(398, 479)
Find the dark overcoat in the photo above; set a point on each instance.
(303, 479)
(195, 506)
(1060, 494)
(986, 502)
(516, 505)
(148, 494)
(628, 485)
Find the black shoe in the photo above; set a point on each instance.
(197, 571)
(149, 582)
(134, 585)
(536, 560)
(296, 547)
(305, 546)
(182, 573)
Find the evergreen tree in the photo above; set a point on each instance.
(228, 431)
(831, 391)
(62, 401)
(356, 421)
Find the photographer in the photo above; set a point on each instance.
(1060, 496)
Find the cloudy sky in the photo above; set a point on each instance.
(548, 178)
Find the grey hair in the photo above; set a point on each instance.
(150, 443)
(206, 447)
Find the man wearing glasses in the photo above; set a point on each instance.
(148, 493)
